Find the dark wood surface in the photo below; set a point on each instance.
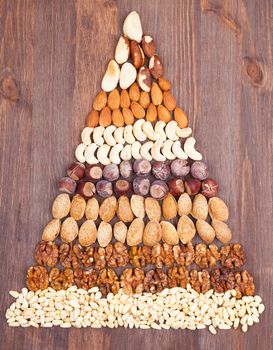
(218, 56)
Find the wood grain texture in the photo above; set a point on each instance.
(218, 56)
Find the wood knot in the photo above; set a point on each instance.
(9, 88)
(254, 70)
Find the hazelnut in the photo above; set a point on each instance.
(86, 189)
(176, 187)
(93, 172)
(67, 185)
(210, 188)
(76, 171)
(180, 167)
(199, 170)
(192, 186)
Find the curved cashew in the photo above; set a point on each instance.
(185, 132)
(90, 154)
(126, 153)
(135, 150)
(156, 151)
(114, 153)
(97, 135)
(159, 129)
(79, 152)
(108, 135)
(137, 129)
(118, 135)
(166, 150)
(128, 134)
(86, 135)
(147, 127)
(190, 150)
(171, 130)
(178, 151)
(145, 151)
(102, 154)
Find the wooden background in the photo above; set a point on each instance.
(218, 56)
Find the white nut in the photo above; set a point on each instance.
(127, 76)
(122, 50)
(97, 135)
(190, 150)
(86, 135)
(126, 153)
(102, 154)
(114, 153)
(156, 151)
(128, 134)
(145, 151)
(108, 135)
(178, 151)
(90, 154)
(132, 26)
(147, 127)
(159, 129)
(184, 132)
(137, 129)
(171, 130)
(135, 150)
(111, 76)
(79, 152)
(167, 150)
(118, 135)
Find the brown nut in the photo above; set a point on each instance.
(104, 234)
(184, 204)
(117, 118)
(163, 114)
(76, 171)
(200, 207)
(105, 117)
(148, 45)
(124, 211)
(87, 233)
(176, 187)
(180, 167)
(137, 54)
(120, 231)
(135, 232)
(156, 94)
(61, 206)
(185, 229)
(169, 207)
(77, 208)
(205, 231)
(159, 189)
(222, 231)
(69, 230)
(151, 113)
(128, 116)
(93, 119)
(192, 186)
(113, 100)
(86, 189)
(100, 101)
(199, 170)
(104, 188)
(144, 79)
(144, 99)
(92, 209)
(181, 118)
(51, 230)
(67, 185)
(169, 233)
(156, 67)
(164, 84)
(137, 110)
(122, 188)
(125, 101)
(210, 188)
(218, 209)
(108, 209)
(152, 233)
(134, 92)
(169, 101)
(93, 172)
(152, 208)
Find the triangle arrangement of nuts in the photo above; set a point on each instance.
(139, 236)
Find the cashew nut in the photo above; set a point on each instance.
(86, 135)
(171, 130)
(126, 153)
(178, 151)
(185, 132)
(166, 150)
(108, 135)
(147, 127)
(97, 135)
(190, 150)
(145, 150)
(114, 153)
(156, 151)
(102, 154)
(159, 129)
(90, 154)
(137, 129)
(135, 150)
(79, 152)
(128, 134)
(118, 135)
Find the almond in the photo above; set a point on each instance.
(144, 79)
(127, 76)
(156, 67)
(135, 232)
(125, 101)
(222, 231)
(137, 206)
(148, 45)
(144, 99)
(105, 117)
(92, 209)
(69, 230)
(169, 233)
(77, 209)
(163, 114)
(152, 233)
(138, 110)
(87, 233)
(100, 101)
(184, 204)
(92, 119)
(218, 209)
(111, 76)
(134, 92)
(169, 207)
(200, 207)
(205, 231)
(51, 230)
(137, 55)
(113, 100)
(117, 118)
(120, 231)
(122, 51)
(164, 84)
(124, 211)
(169, 101)
(104, 234)
(152, 208)
(151, 113)
(156, 94)
(185, 229)
(128, 116)
(61, 206)
(108, 209)
(181, 118)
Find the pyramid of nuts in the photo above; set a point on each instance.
(139, 236)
